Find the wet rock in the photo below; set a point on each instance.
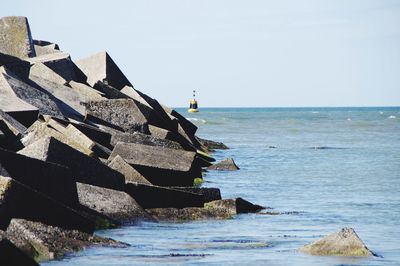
(84, 168)
(41, 70)
(53, 180)
(60, 63)
(209, 194)
(140, 138)
(101, 67)
(345, 242)
(212, 145)
(15, 37)
(11, 255)
(161, 166)
(159, 197)
(122, 113)
(131, 175)
(227, 165)
(44, 242)
(19, 201)
(116, 205)
(189, 214)
(235, 206)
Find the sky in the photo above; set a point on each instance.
(235, 53)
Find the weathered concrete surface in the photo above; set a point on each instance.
(19, 201)
(9, 102)
(15, 37)
(345, 242)
(11, 255)
(88, 93)
(162, 133)
(68, 100)
(109, 91)
(45, 47)
(45, 242)
(140, 138)
(209, 194)
(132, 93)
(50, 129)
(11, 130)
(226, 165)
(186, 125)
(60, 63)
(79, 137)
(46, 103)
(123, 113)
(41, 70)
(54, 180)
(16, 65)
(84, 168)
(235, 206)
(212, 145)
(161, 166)
(116, 205)
(189, 214)
(131, 175)
(101, 67)
(160, 197)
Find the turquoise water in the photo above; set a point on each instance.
(331, 167)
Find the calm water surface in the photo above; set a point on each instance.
(332, 167)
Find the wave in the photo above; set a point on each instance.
(196, 119)
(391, 117)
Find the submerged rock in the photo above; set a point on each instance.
(44, 242)
(212, 145)
(345, 242)
(235, 206)
(227, 165)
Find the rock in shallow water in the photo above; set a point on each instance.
(225, 165)
(345, 242)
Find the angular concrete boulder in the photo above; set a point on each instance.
(186, 125)
(162, 133)
(19, 201)
(53, 180)
(345, 242)
(161, 166)
(16, 65)
(11, 130)
(41, 70)
(115, 205)
(60, 63)
(48, 242)
(209, 194)
(45, 47)
(122, 113)
(15, 37)
(101, 67)
(140, 138)
(226, 165)
(189, 214)
(11, 255)
(212, 145)
(131, 175)
(160, 197)
(235, 206)
(84, 168)
(88, 93)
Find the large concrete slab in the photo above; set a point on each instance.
(209, 194)
(160, 197)
(116, 205)
(140, 138)
(60, 63)
(11, 255)
(84, 168)
(18, 66)
(101, 67)
(123, 113)
(19, 201)
(15, 37)
(161, 166)
(162, 133)
(88, 93)
(51, 179)
(45, 47)
(47, 242)
(131, 175)
(43, 71)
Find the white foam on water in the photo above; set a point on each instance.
(196, 119)
(348, 119)
(315, 112)
(391, 117)
(381, 112)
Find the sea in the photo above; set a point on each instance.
(318, 169)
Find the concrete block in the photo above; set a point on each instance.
(160, 197)
(19, 201)
(16, 65)
(161, 166)
(84, 168)
(60, 63)
(131, 175)
(209, 194)
(123, 113)
(15, 37)
(11, 255)
(140, 138)
(88, 93)
(226, 165)
(41, 70)
(101, 67)
(235, 206)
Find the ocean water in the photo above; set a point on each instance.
(327, 168)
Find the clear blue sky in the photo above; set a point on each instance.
(235, 53)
